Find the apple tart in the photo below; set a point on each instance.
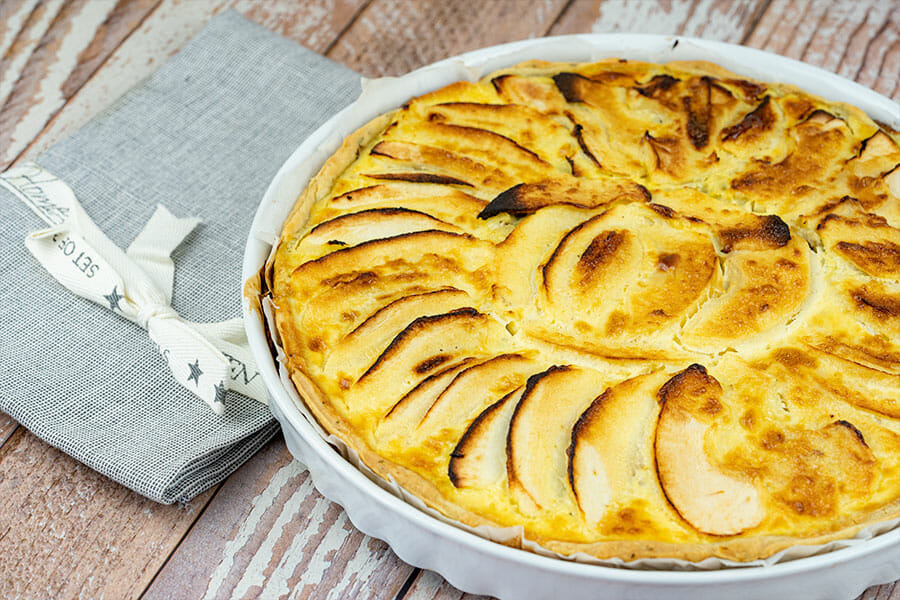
(638, 310)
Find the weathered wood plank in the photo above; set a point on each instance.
(882, 592)
(859, 40)
(165, 31)
(889, 591)
(13, 14)
(391, 37)
(38, 90)
(21, 37)
(69, 532)
(162, 33)
(316, 25)
(7, 427)
(724, 20)
(428, 585)
(269, 533)
(124, 17)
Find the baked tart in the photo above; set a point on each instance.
(638, 310)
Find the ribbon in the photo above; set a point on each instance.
(207, 359)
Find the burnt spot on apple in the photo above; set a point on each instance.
(770, 232)
(875, 258)
(570, 86)
(657, 85)
(419, 177)
(760, 119)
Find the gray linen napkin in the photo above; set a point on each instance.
(203, 136)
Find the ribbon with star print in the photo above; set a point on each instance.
(205, 358)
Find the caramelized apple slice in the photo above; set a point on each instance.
(527, 198)
(819, 147)
(332, 295)
(872, 389)
(418, 351)
(540, 431)
(482, 145)
(528, 245)
(343, 265)
(627, 272)
(471, 391)
(711, 501)
(353, 354)
(444, 203)
(611, 454)
(355, 228)
(401, 420)
(479, 459)
(410, 158)
(864, 239)
(534, 130)
(769, 278)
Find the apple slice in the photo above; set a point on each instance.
(426, 344)
(484, 146)
(611, 453)
(634, 269)
(527, 198)
(479, 459)
(708, 499)
(540, 432)
(411, 157)
(355, 228)
(332, 295)
(358, 349)
(863, 239)
(821, 146)
(769, 276)
(521, 254)
(539, 93)
(447, 204)
(401, 420)
(345, 265)
(536, 131)
(470, 392)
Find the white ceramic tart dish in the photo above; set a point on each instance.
(489, 296)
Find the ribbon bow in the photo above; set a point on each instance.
(207, 359)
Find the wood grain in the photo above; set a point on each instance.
(391, 37)
(160, 34)
(68, 531)
(22, 34)
(859, 40)
(316, 25)
(269, 533)
(882, 592)
(13, 15)
(723, 20)
(78, 39)
(428, 585)
(166, 30)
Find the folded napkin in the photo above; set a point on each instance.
(203, 137)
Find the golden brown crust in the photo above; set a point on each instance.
(640, 310)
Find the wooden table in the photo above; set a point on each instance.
(66, 531)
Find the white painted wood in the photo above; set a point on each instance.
(711, 19)
(49, 95)
(857, 39)
(12, 19)
(26, 30)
